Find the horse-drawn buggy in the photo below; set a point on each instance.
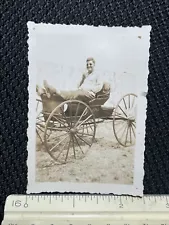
(67, 130)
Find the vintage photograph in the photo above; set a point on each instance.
(87, 108)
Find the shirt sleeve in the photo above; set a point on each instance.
(81, 81)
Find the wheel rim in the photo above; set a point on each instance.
(124, 120)
(73, 131)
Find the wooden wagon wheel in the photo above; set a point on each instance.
(40, 123)
(73, 125)
(124, 120)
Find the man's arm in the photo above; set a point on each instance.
(82, 80)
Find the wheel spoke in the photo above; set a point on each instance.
(78, 143)
(84, 121)
(40, 125)
(122, 110)
(85, 134)
(90, 126)
(130, 135)
(118, 121)
(50, 132)
(133, 124)
(39, 128)
(126, 135)
(55, 138)
(133, 102)
(64, 129)
(124, 103)
(129, 100)
(121, 117)
(81, 117)
(83, 140)
(120, 128)
(58, 144)
(123, 132)
(59, 121)
(133, 131)
(87, 129)
(68, 150)
(61, 150)
(70, 113)
(74, 151)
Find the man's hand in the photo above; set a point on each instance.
(89, 94)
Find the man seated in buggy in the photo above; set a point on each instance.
(89, 88)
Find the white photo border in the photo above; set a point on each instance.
(136, 189)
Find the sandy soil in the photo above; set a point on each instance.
(105, 162)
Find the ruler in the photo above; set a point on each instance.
(86, 210)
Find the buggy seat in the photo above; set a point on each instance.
(100, 99)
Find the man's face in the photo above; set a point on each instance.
(90, 66)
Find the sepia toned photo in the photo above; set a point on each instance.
(87, 108)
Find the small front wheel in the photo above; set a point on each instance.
(124, 120)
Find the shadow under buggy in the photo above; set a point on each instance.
(67, 130)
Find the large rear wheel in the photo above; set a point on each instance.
(70, 131)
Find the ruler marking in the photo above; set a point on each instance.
(50, 199)
(97, 199)
(167, 203)
(121, 204)
(26, 199)
(73, 201)
(120, 200)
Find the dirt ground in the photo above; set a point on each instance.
(105, 162)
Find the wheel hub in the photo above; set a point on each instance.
(73, 130)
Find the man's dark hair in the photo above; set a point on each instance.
(90, 59)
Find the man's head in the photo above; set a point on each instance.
(90, 63)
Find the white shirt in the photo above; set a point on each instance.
(92, 83)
